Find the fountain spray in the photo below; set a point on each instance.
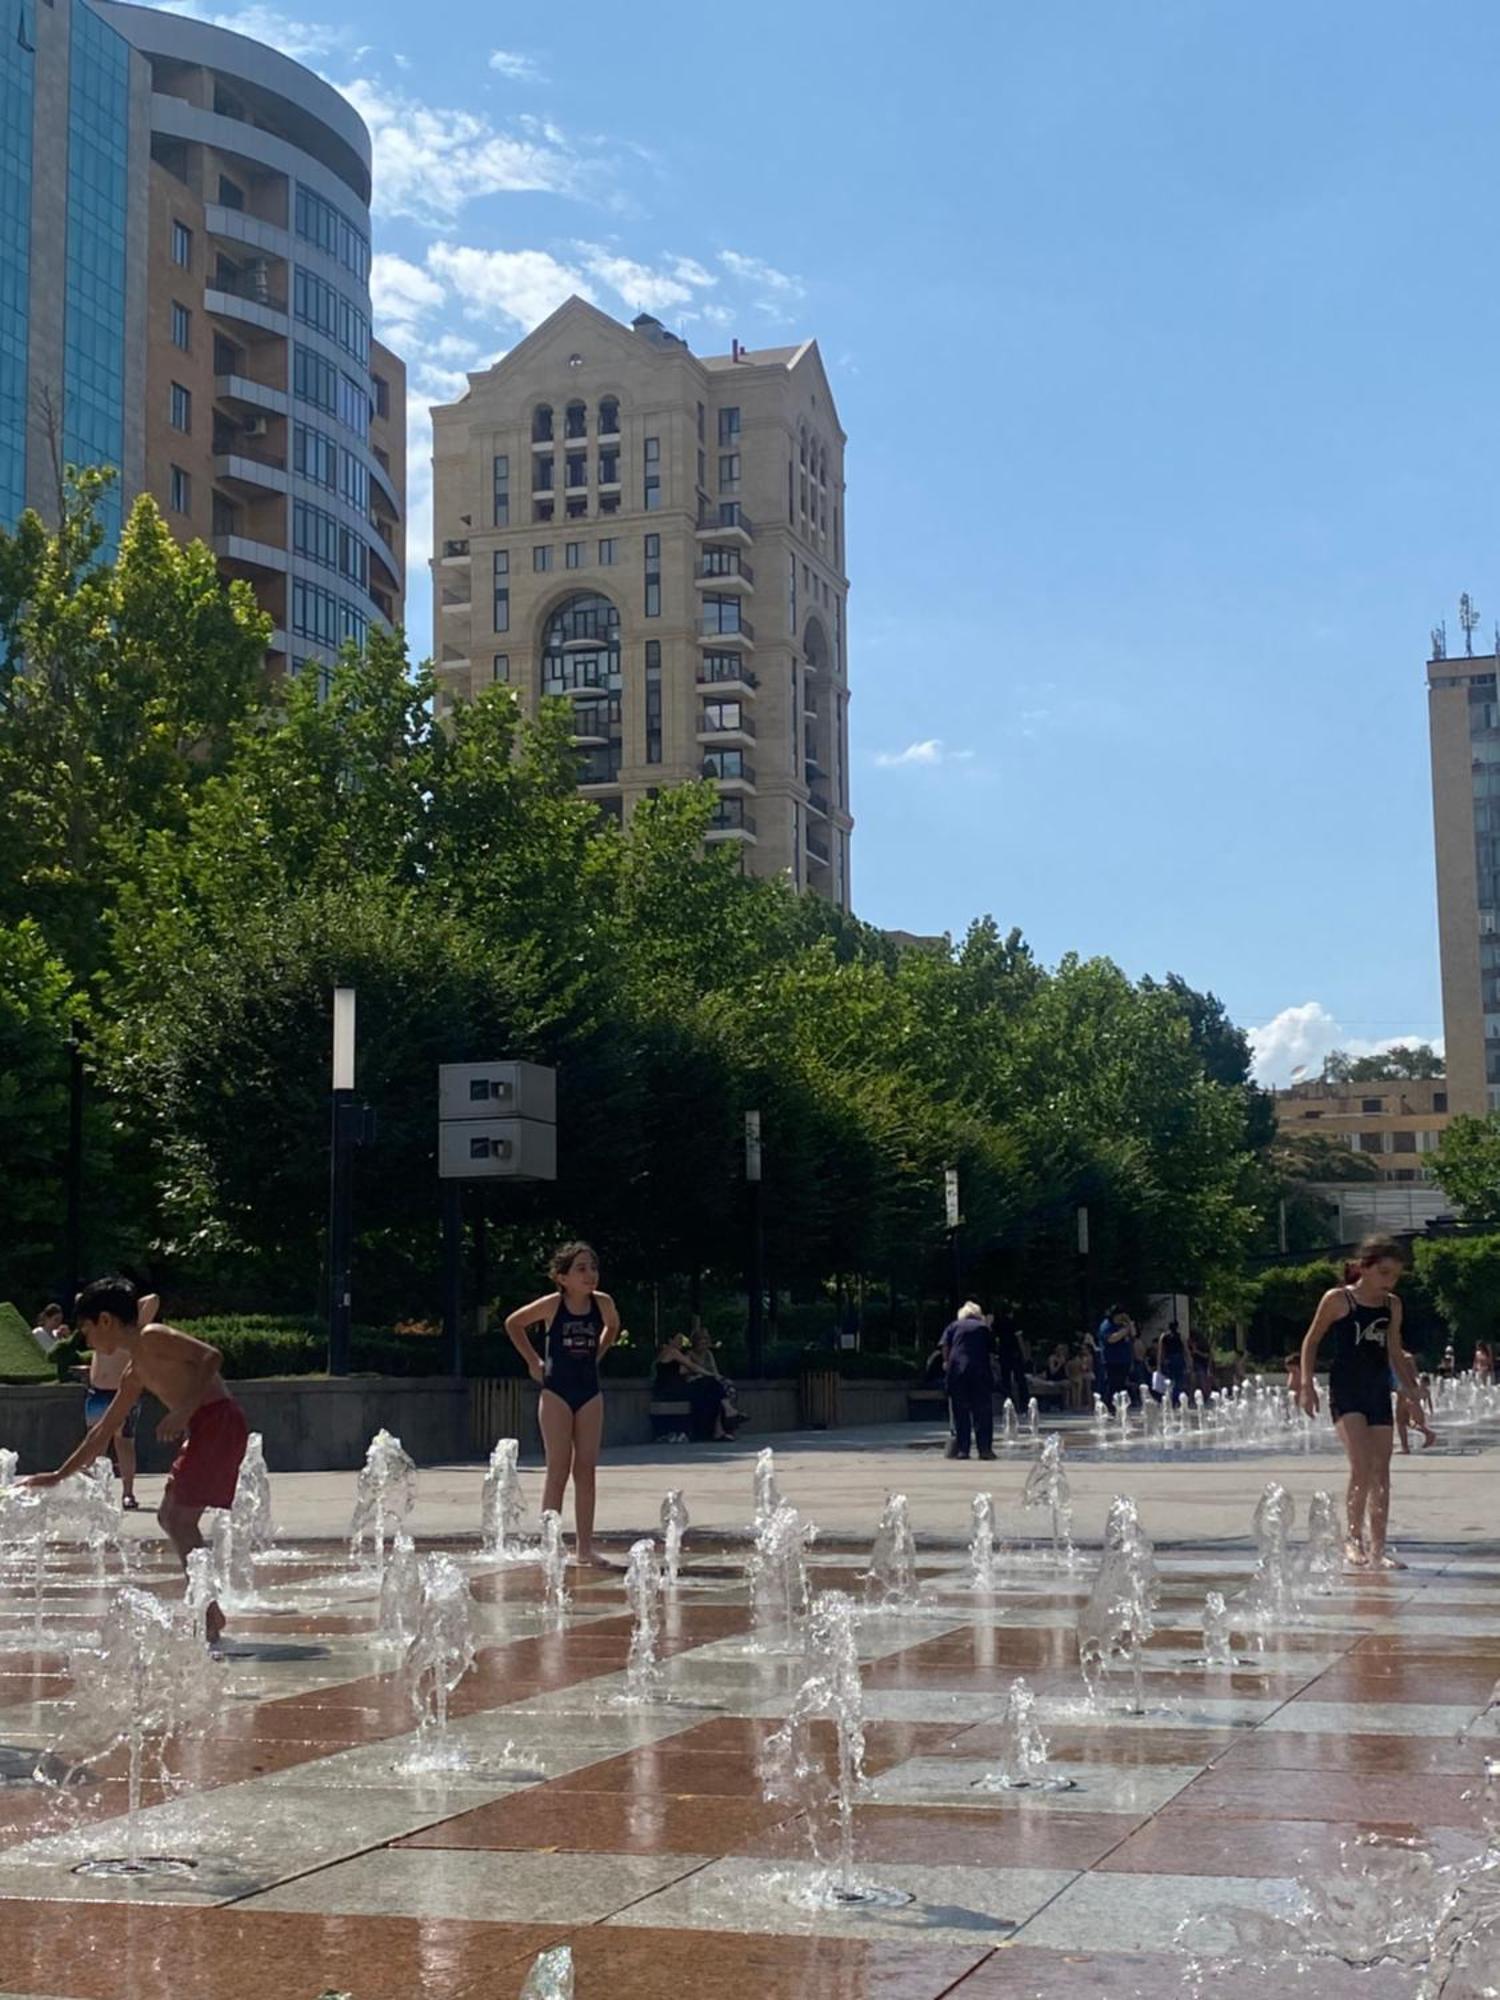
(383, 1497)
(554, 1569)
(643, 1676)
(502, 1506)
(674, 1525)
(891, 1579)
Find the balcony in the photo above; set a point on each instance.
(709, 575)
(253, 396)
(710, 632)
(237, 225)
(249, 303)
(250, 473)
(712, 731)
(250, 554)
(742, 777)
(455, 552)
(724, 521)
(578, 683)
(590, 731)
(732, 676)
(457, 606)
(818, 851)
(593, 642)
(818, 802)
(741, 829)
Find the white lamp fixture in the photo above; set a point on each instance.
(343, 1038)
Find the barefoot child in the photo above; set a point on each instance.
(580, 1326)
(182, 1373)
(1364, 1317)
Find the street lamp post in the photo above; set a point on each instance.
(341, 1187)
(73, 1227)
(955, 1244)
(755, 1279)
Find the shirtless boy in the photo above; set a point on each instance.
(182, 1373)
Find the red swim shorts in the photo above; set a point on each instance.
(205, 1470)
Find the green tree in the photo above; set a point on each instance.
(123, 682)
(1466, 1166)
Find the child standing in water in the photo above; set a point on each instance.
(183, 1373)
(581, 1326)
(1364, 1317)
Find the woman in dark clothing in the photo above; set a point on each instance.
(1172, 1360)
(968, 1378)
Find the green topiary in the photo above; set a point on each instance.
(21, 1360)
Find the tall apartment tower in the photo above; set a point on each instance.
(191, 296)
(1464, 720)
(75, 139)
(658, 537)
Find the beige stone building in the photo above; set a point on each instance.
(1464, 721)
(658, 537)
(1396, 1126)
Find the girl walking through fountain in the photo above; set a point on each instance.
(581, 1326)
(1364, 1317)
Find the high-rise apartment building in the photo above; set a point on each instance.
(658, 537)
(191, 296)
(1464, 721)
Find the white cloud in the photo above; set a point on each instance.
(644, 289)
(517, 68)
(430, 161)
(924, 755)
(1298, 1038)
(754, 271)
(523, 286)
(401, 290)
(300, 39)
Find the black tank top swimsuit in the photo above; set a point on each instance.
(1359, 1381)
(572, 1365)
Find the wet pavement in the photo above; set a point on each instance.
(640, 1836)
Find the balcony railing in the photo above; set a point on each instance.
(716, 566)
(709, 725)
(455, 548)
(818, 850)
(723, 514)
(723, 822)
(715, 672)
(744, 774)
(711, 627)
(247, 285)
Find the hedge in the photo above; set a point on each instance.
(21, 1360)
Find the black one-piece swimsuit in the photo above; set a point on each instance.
(572, 1365)
(1359, 1381)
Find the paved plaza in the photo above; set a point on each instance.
(641, 1837)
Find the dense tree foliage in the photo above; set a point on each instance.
(1466, 1166)
(198, 857)
(1405, 1063)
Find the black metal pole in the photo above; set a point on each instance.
(340, 1232)
(481, 1259)
(73, 1227)
(453, 1264)
(755, 1287)
(958, 1269)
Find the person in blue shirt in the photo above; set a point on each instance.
(1117, 1353)
(968, 1376)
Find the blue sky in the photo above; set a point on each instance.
(1164, 336)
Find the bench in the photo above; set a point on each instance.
(926, 1406)
(1048, 1392)
(671, 1420)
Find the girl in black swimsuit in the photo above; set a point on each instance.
(1364, 1317)
(581, 1326)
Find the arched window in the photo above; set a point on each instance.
(577, 424)
(541, 424)
(609, 417)
(581, 647)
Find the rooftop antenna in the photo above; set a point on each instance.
(1440, 640)
(1468, 617)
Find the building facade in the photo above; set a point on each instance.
(658, 537)
(75, 144)
(1464, 724)
(1395, 1126)
(191, 296)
